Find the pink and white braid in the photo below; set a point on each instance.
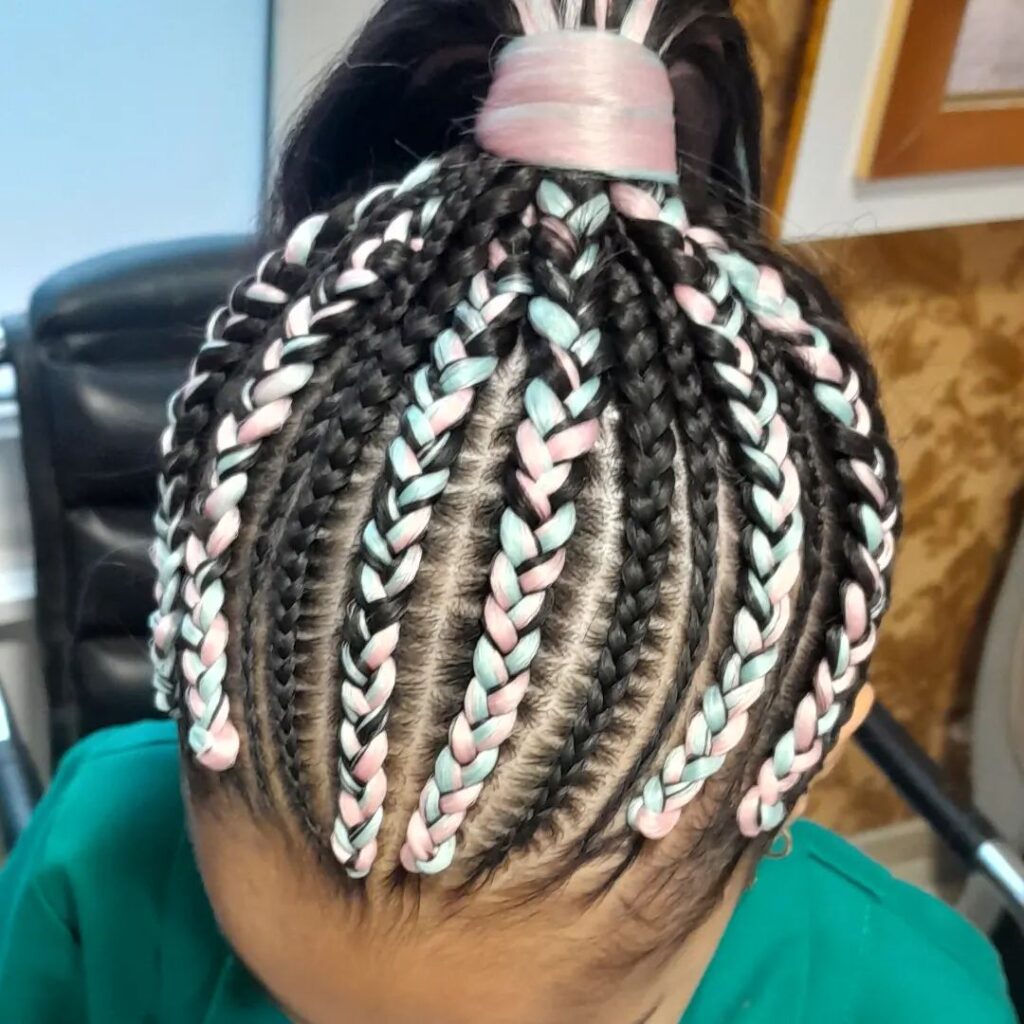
(288, 365)
(559, 428)
(873, 521)
(417, 468)
(773, 541)
(258, 298)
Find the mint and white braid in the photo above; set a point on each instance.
(230, 331)
(771, 543)
(417, 470)
(287, 366)
(561, 426)
(872, 522)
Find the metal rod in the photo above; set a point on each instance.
(968, 832)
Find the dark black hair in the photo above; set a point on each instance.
(414, 79)
(696, 596)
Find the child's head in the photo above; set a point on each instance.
(524, 528)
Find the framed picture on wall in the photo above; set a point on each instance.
(910, 115)
(954, 99)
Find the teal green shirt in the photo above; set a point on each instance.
(103, 919)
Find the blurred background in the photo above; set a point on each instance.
(132, 124)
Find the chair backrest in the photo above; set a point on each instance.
(104, 344)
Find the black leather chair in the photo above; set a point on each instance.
(103, 345)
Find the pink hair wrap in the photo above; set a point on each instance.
(582, 100)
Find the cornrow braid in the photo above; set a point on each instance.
(824, 314)
(645, 390)
(359, 327)
(230, 332)
(349, 225)
(771, 541)
(417, 470)
(408, 562)
(364, 386)
(799, 410)
(562, 406)
(340, 230)
(264, 406)
(700, 445)
(872, 518)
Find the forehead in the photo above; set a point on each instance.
(392, 956)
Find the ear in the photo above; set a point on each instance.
(862, 706)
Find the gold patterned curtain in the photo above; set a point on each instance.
(942, 314)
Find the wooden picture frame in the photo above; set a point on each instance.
(825, 188)
(922, 129)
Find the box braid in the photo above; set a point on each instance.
(514, 504)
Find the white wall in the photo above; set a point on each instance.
(126, 121)
(828, 198)
(308, 37)
(20, 658)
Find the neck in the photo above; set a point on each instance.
(675, 988)
(292, 932)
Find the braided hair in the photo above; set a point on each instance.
(514, 510)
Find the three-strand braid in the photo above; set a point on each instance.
(866, 469)
(699, 441)
(230, 333)
(646, 390)
(393, 337)
(563, 402)
(373, 334)
(417, 469)
(355, 327)
(263, 407)
(772, 539)
(347, 226)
